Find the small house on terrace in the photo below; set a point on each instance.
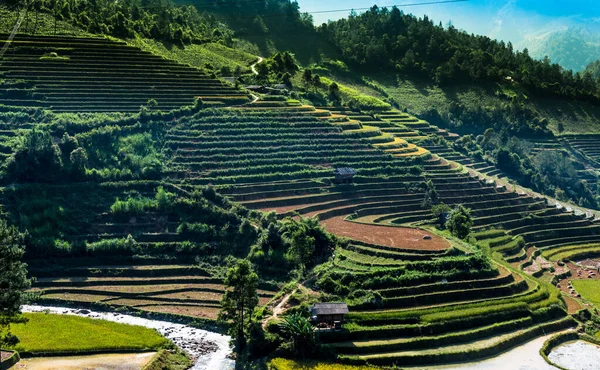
(344, 175)
(331, 314)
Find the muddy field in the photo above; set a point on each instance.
(104, 362)
(389, 236)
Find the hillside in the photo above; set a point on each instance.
(448, 209)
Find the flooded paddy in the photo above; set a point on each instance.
(578, 355)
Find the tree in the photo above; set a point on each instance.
(300, 332)
(440, 211)
(13, 281)
(334, 93)
(239, 300)
(460, 222)
(36, 158)
(307, 78)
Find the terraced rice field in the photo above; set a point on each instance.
(152, 288)
(68, 74)
(466, 309)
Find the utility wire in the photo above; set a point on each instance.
(14, 31)
(388, 6)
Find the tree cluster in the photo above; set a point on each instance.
(389, 39)
(38, 159)
(157, 19)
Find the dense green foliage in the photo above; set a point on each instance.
(460, 222)
(388, 39)
(239, 299)
(13, 282)
(157, 19)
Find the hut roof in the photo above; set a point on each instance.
(344, 171)
(338, 308)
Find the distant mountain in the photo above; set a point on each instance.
(572, 48)
(594, 68)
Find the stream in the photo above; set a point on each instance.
(208, 350)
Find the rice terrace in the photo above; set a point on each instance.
(222, 184)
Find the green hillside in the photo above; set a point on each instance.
(445, 204)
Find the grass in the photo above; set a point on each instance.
(571, 252)
(589, 290)
(362, 100)
(284, 364)
(198, 55)
(47, 333)
(167, 360)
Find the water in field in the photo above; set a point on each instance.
(524, 357)
(578, 355)
(210, 350)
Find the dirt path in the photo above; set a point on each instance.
(280, 308)
(253, 67)
(105, 362)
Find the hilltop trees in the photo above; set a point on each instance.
(13, 281)
(389, 39)
(158, 19)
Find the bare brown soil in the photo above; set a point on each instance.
(572, 305)
(105, 362)
(389, 236)
(195, 311)
(4, 355)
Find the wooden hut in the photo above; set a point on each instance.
(344, 175)
(331, 314)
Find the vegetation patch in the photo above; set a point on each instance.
(63, 334)
(589, 290)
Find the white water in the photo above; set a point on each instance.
(209, 350)
(577, 355)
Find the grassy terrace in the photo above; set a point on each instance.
(68, 74)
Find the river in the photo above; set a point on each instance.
(210, 351)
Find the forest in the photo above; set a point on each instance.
(388, 39)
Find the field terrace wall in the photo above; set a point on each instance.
(67, 74)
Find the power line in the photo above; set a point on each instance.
(358, 9)
(388, 6)
(15, 29)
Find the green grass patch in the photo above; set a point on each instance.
(48, 333)
(589, 290)
(285, 364)
(572, 252)
(198, 56)
(356, 98)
